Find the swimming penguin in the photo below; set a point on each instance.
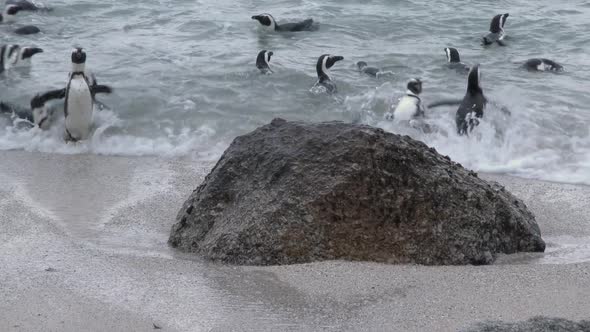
(16, 111)
(454, 60)
(268, 22)
(26, 5)
(410, 106)
(325, 62)
(42, 115)
(372, 71)
(541, 64)
(21, 56)
(473, 104)
(9, 16)
(364, 68)
(496, 33)
(16, 56)
(262, 61)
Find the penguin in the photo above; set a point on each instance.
(16, 56)
(410, 105)
(15, 110)
(325, 62)
(27, 5)
(9, 13)
(9, 16)
(454, 60)
(21, 56)
(541, 64)
(41, 115)
(268, 22)
(262, 61)
(473, 104)
(496, 34)
(3, 50)
(363, 67)
(79, 98)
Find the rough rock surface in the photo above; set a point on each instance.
(292, 192)
(535, 324)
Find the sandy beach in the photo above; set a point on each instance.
(83, 248)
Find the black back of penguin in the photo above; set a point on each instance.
(473, 104)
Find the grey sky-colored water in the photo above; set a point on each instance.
(186, 85)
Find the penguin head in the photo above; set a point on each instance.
(361, 65)
(78, 56)
(415, 86)
(9, 13)
(452, 55)
(474, 80)
(28, 52)
(266, 20)
(325, 62)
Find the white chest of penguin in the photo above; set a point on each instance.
(406, 109)
(79, 108)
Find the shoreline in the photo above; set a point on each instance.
(84, 247)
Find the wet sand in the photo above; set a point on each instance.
(83, 248)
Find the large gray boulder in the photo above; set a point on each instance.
(292, 192)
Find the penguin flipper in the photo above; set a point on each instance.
(98, 88)
(40, 99)
(450, 102)
(27, 30)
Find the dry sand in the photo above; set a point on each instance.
(83, 248)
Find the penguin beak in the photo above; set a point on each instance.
(337, 58)
(256, 17)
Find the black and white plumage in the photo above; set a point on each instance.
(9, 13)
(268, 22)
(541, 64)
(410, 105)
(473, 104)
(79, 98)
(17, 56)
(496, 34)
(263, 61)
(454, 60)
(325, 62)
(9, 16)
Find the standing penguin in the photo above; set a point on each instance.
(263, 61)
(496, 34)
(473, 104)
(325, 62)
(410, 106)
(79, 98)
